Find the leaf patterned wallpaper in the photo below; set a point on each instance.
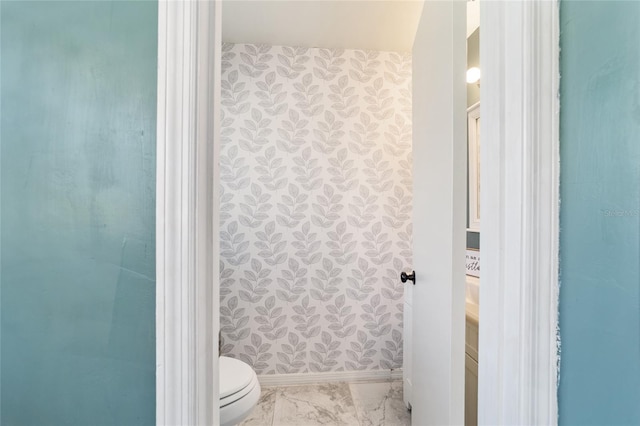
(315, 207)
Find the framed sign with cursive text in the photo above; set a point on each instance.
(473, 263)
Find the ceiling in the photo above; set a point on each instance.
(348, 24)
(384, 25)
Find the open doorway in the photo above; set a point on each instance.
(490, 407)
(316, 178)
(324, 198)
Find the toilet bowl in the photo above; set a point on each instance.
(239, 391)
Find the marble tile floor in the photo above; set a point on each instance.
(349, 404)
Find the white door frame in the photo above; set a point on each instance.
(518, 362)
(519, 208)
(187, 291)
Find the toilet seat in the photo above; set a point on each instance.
(239, 390)
(241, 393)
(235, 379)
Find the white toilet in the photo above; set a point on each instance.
(239, 391)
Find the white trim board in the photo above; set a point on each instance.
(520, 213)
(334, 376)
(187, 300)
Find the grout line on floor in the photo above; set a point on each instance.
(355, 406)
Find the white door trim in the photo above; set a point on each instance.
(518, 365)
(187, 300)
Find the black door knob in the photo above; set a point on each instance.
(411, 277)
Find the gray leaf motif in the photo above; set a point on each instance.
(234, 97)
(364, 136)
(292, 133)
(376, 317)
(233, 170)
(233, 247)
(227, 129)
(226, 57)
(272, 96)
(271, 320)
(292, 61)
(327, 208)
(255, 284)
(325, 354)
(270, 170)
(361, 353)
(256, 354)
(315, 207)
(344, 98)
(399, 68)
(400, 313)
(255, 60)
(405, 102)
(293, 356)
(398, 137)
(271, 245)
(292, 208)
(307, 170)
(327, 281)
(327, 137)
(343, 171)
(226, 205)
(233, 321)
(292, 282)
(379, 99)
(340, 318)
(226, 281)
(362, 281)
(255, 208)
(397, 209)
(255, 132)
(406, 243)
(307, 245)
(328, 63)
(306, 319)
(404, 171)
(363, 208)
(393, 288)
(377, 245)
(308, 96)
(379, 172)
(364, 65)
(392, 352)
(342, 245)
(226, 348)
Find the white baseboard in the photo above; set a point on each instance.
(334, 376)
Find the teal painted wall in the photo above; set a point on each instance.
(77, 223)
(600, 213)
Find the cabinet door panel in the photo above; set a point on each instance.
(471, 392)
